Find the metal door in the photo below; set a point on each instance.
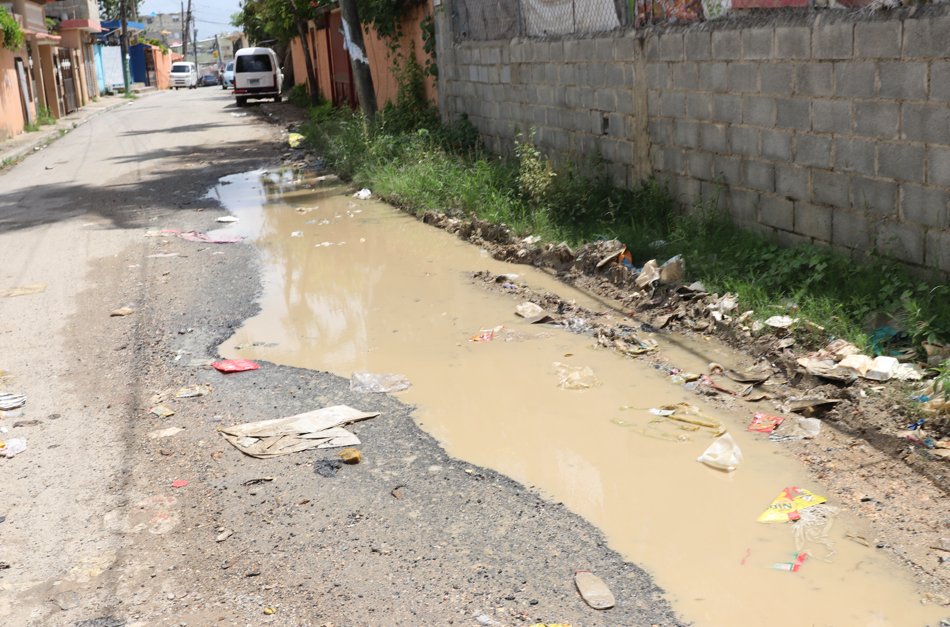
(66, 70)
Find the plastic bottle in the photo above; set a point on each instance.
(593, 589)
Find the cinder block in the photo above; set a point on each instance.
(659, 131)
(713, 76)
(940, 81)
(726, 44)
(674, 104)
(607, 99)
(727, 108)
(776, 78)
(626, 103)
(572, 96)
(652, 46)
(505, 75)
(757, 43)
(938, 250)
(855, 80)
(744, 204)
(494, 55)
(851, 230)
(813, 150)
(793, 113)
(700, 164)
(791, 182)
(549, 73)
(624, 48)
(618, 125)
(545, 95)
(878, 40)
(473, 73)
(727, 169)
(674, 160)
(686, 134)
(777, 212)
(831, 188)
(831, 116)
(854, 155)
(658, 75)
(557, 52)
(625, 152)
(758, 110)
(785, 239)
(743, 141)
(604, 49)
(494, 75)
(744, 77)
(832, 41)
(904, 162)
(813, 221)
(928, 123)
(714, 138)
(927, 37)
(902, 241)
(614, 75)
(876, 119)
(925, 205)
(793, 42)
(874, 195)
(698, 46)
(685, 76)
(698, 106)
(671, 47)
(540, 51)
(566, 75)
(759, 175)
(902, 80)
(572, 50)
(596, 74)
(813, 79)
(654, 103)
(777, 146)
(608, 148)
(939, 166)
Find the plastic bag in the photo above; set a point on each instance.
(12, 447)
(648, 275)
(528, 310)
(785, 507)
(363, 194)
(723, 454)
(235, 365)
(673, 270)
(367, 383)
(575, 377)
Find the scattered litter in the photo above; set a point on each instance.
(825, 368)
(763, 423)
(294, 139)
(327, 467)
(908, 372)
(747, 377)
(239, 115)
(26, 290)
(858, 539)
(662, 412)
(798, 429)
(528, 310)
(316, 429)
(837, 350)
(181, 483)
(672, 271)
(781, 322)
(540, 319)
(531, 239)
(161, 412)
(297, 234)
(722, 306)
(350, 456)
(12, 401)
(197, 390)
(235, 365)
(367, 383)
(224, 535)
(363, 194)
(917, 425)
(12, 447)
(882, 368)
(807, 405)
(486, 335)
(257, 481)
(648, 275)
(723, 454)
(715, 368)
(269, 610)
(576, 325)
(194, 236)
(593, 590)
(164, 433)
(791, 566)
(575, 377)
(227, 219)
(397, 492)
(856, 364)
(814, 525)
(122, 311)
(786, 507)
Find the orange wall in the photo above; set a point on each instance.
(163, 65)
(11, 108)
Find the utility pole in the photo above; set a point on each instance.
(124, 41)
(311, 74)
(184, 32)
(184, 50)
(353, 40)
(194, 46)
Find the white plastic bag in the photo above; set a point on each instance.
(13, 447)
(528, 310)
(363, 194)
(368, 383)
(575, 377)
(723, 454)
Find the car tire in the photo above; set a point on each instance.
(240, 101)
(224, 87)
(277, 98)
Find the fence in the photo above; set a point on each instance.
(486, 20)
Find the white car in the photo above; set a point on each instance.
(183, 74)
(256, 75)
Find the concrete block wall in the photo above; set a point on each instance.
(833, 129)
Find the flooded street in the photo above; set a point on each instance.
(355, 285)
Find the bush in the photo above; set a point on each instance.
(299, 96)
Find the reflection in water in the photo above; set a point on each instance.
(389, 294)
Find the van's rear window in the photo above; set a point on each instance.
(179, 68)
(253, 63)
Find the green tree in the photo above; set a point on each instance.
(112, 9)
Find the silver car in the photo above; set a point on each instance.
(227, 79)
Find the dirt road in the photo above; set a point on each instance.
(93, 528)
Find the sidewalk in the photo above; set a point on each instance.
(18, 147)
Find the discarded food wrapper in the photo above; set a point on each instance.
(793, 566)
(321, 428)
(12, 401)
(367, 383)
(528, 310)
(194, 236)
(12, 447)
(798, 429)
(197, 390)
(25, 290)
(235, 365)
(486, 335)
(227, 219)
(908, 372)
(786, 507)
(575, 377)
(181, 483)
(161, 412)
(763, 423)
(294, 139)
(363, 194)
(723, 454)
(781, 322)
(593, 590)
(122, 311)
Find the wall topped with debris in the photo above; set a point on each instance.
(827, 126)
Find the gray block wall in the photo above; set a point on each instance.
(833, 129)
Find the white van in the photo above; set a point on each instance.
(183, 74)
(256, 75)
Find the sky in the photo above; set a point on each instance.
(211, 16)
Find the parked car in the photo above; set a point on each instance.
(208, 79)
(257, 74)
(228, 77)
(183, 74)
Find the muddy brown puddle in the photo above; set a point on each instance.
(363, 287)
